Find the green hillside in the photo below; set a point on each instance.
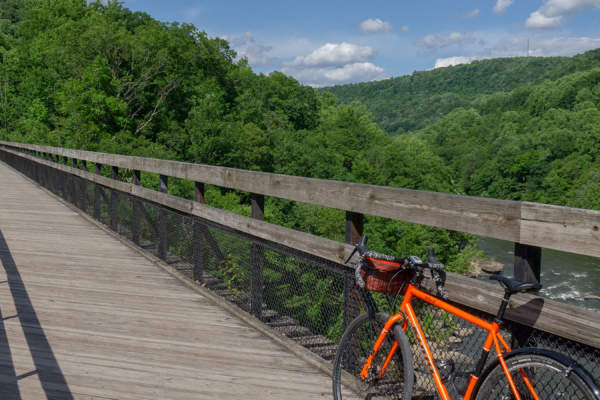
(414, 101)
(538, 142)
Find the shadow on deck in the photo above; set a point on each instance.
(50, 375)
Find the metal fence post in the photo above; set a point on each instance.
(135, 209)
(354, 228)
(162, 220)
(257, 259)
(198, 245)
(114, 202)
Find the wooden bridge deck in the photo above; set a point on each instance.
(82, 316)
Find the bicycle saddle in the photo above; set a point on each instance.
(515, 286)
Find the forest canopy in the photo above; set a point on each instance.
(521, 128)
(98, 76)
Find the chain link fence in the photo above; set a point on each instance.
(298, 295)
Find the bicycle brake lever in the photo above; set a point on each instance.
(439, 277)
(351, 255)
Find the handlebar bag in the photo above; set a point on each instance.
(385, 276)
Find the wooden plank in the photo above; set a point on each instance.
(562, 319)
(116, 325)
(561, 228)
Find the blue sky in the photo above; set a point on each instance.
(332, 42)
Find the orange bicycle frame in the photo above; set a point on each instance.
(407, 316)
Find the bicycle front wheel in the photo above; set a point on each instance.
(545, 374)
(354, 348)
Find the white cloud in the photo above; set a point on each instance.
(333, 55)
(375, 26)
(450, 61)
(335, 63)
(349, 73)
(537, 20)
(550, 14)
(544, 47)
(522, 46)
(472, 13)
(405, 28)
(435, 42)
(502, 5)
(246, 46)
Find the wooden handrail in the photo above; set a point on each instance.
(561, 228)
(571, 322)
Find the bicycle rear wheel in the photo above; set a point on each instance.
(552, 376)
(354, 348)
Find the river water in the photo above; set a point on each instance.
(565, 277)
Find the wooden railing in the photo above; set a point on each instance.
(530, 226)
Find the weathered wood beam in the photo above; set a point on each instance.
(560, 228)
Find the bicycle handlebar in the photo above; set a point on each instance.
(438, 273)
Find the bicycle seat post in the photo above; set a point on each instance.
(512, 286)
(503, 306)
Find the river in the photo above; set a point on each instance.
(565, 277)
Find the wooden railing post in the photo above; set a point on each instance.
(198, 272)
(354, 228)
(528, 262)
(83, 188)
(74, 188)
(527, 268)
(65, 183)
(162, 221)
(136, 204)
(97, 193)
(257, 260)
(114, 202)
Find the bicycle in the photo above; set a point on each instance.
(375, 358)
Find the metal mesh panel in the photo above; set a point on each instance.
(300, 296)
(586, 356)
(455, 345)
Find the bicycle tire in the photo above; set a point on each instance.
(355, 346)
(552, 375)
